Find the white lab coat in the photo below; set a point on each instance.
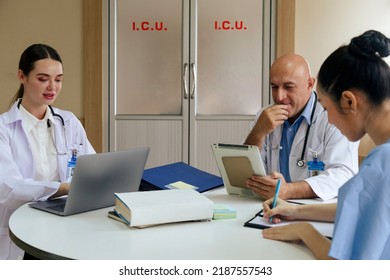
(339, 155)
(17, 168)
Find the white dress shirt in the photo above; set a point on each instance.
(42, 145)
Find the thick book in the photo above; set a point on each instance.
(114, 215)
(179, 175)
(142, 209)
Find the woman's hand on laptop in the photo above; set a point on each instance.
(62, 190)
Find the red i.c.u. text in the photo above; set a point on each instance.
(229, 25)
(148, 26)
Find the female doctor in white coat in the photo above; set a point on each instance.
(36, 140)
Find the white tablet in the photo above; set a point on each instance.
(237, 163)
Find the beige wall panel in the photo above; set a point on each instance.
(285, 27)
(57, 23)
(94, 112)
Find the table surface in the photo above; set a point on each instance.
(94, 236)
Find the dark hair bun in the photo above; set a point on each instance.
(370, 43)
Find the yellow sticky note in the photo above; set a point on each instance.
(181, 185)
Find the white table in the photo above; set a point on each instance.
(94, 236)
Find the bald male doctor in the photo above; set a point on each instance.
(294, 133)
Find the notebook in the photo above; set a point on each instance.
(179, 175)
(95, 180)
(237, 163)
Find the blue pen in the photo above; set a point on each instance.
(275, 197)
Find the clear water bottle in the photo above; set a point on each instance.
(71, 166)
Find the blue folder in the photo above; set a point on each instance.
(161, 177)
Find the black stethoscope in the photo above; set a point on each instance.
(301, 161)
(50, 127)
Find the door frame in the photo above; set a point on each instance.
(95, 56)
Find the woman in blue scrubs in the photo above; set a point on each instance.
(354, 87)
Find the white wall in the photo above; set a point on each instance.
(324, 25)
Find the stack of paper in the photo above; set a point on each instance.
(222, 211)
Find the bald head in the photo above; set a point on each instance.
(291, 82)
(292, 63)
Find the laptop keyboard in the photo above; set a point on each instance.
(58, 207)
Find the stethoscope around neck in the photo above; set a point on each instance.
(50, 127)
(301, 161)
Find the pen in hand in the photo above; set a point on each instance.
(275, 197)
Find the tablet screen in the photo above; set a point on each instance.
(237, 163)
(238, 170)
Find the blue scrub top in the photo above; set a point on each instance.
(362, 225)
(288, 134)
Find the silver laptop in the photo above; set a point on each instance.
(95, 180)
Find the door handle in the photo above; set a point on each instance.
(185, 80)
(194, 80)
